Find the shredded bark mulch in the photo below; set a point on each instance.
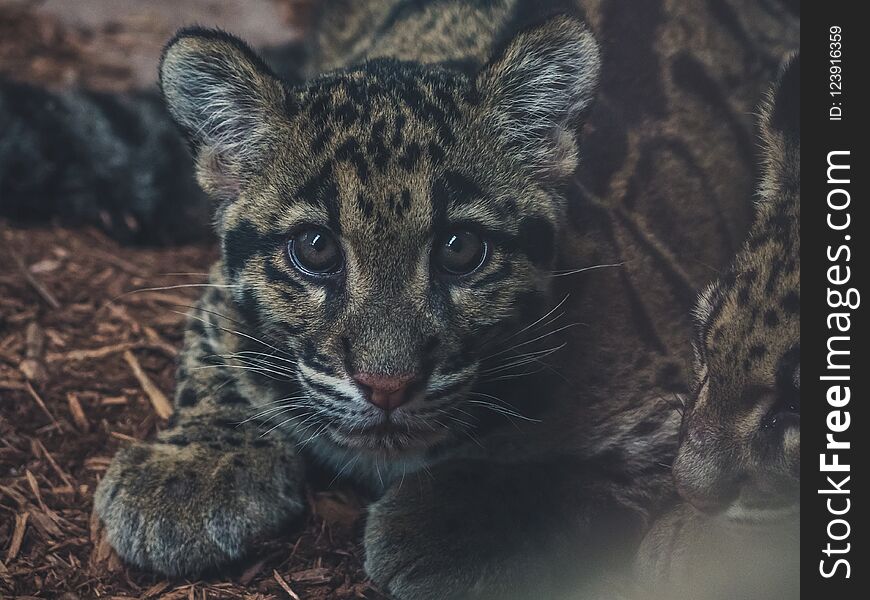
(86, 367)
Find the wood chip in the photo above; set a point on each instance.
(285, 586)
(97, 463)
(41, 404)
(34, 343)
(150, 333)
(176, 594)
(34, 487)
(114, 401)
(32, 370)
(95, 528)
(161, 405)
(103, 556)
(20, 500)
(7, 384)
(38, 287)
(315, 576)
(46, 265)
(124, 437)
(55, 338)
(78, 414)
(45, 525)
(17, 535)
(150, 297)
(155, 589)
(60, 472)
(76, 355)
(119, 262)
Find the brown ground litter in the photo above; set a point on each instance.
(70, 397)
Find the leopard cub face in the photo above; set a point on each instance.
(740, 450)
(385, 224)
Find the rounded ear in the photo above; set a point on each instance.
(781, 132)
(226, 102)
(538, 92)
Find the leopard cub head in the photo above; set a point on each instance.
(740, 449)
(382, 224)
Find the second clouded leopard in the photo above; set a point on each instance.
(738, 465)
(402, 287)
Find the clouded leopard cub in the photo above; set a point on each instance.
(738, 465)
(420, 290)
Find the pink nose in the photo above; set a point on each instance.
(385, 391)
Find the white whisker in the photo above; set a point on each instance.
(547, 314)
(500, 408)
(584, 269)
(536, 339)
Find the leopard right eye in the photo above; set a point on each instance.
(314, 251)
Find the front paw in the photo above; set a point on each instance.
(403, 557)
(451, 538)
(183, 510)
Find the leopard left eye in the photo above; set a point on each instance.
(460, 252)
(315, 251)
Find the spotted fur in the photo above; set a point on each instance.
(738, 464)
(536, 444)
(741, 446)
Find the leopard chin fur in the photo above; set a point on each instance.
(533, 445)
(738, 464)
